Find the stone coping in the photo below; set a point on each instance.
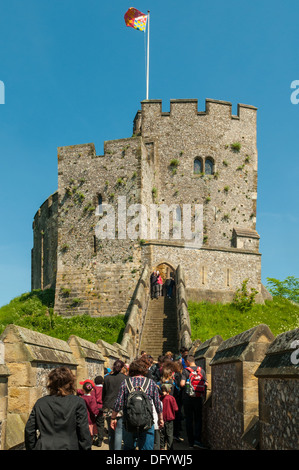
(87, 349)
(282, 357)
(249, 345)
(203, 349)
(108, 349)
(38, 347)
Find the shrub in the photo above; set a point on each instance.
(243, 300)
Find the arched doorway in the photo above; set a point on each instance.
(166, 270)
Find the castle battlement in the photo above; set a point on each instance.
(217, 115)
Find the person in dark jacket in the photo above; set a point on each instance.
(112, 383)
(153, 282)
(100, 422)
(58, 421)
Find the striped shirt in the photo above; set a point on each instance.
(137, 381)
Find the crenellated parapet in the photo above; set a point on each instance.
(152, 116)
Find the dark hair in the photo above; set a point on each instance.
(98, 380)
(139, 367)
(61, 382)
(117, 366)
(170, 366)
(87, 387)
(182, 350)
(190, 358)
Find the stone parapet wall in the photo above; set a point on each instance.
(4, 374)
(136, 316)
(252, 393)
(184, 327)
(234, 397)
(28, 358)
(278, 377)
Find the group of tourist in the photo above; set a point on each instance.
(140, 405)
(160, 288)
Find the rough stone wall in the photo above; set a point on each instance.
(230, 252)
(44, 252)
(234, 404)
(211, 274)
(184, 134)
(278, 376)
(94, 275)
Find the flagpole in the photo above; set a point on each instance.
(147, 61)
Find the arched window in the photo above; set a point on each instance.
(209, 166)
(197, 167)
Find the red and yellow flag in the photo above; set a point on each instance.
(135, 19)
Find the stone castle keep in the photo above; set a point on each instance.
(184, 156)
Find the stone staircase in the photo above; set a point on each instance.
(160, 328)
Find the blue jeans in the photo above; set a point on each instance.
(115, 437)
(144, 441)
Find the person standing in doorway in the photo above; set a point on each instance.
(159, 284)
(153, 282)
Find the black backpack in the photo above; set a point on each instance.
(138, 412)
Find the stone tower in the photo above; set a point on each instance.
(179, 159)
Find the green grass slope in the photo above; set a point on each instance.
(34, 310)
(208, 320)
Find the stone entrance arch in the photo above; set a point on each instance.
(165, 269)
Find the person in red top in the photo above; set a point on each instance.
(170, 407)
(92, 406)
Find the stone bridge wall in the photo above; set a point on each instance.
(252, 393)
(28, 357)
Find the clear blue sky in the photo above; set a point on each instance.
(74, 73)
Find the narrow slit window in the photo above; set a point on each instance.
(228, 276)
(100, 205)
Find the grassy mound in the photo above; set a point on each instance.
(34, 310)
(208, 320)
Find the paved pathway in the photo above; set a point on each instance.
(176, 446)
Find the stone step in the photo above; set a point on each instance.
(160, 328)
